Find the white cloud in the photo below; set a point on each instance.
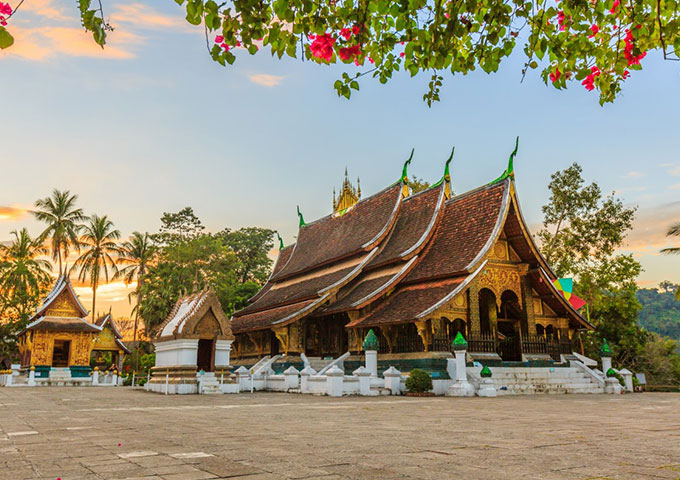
(634, 174)
(265, 80)
(675, 187)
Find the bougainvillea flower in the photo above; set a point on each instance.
(593, 28)
(346, 33)
(5, 9)
(219, 39)
(555, 76)
(355, 29)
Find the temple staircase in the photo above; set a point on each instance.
(528, 380)
(209, 384)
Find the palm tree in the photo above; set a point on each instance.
(63, 220)
(674, 231)
(135, 255)
(23, 274)
(99, 243)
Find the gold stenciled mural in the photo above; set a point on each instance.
(43, 347)
(63, 306)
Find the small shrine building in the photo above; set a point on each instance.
(59, 335)
(416, 269)
(195, 336)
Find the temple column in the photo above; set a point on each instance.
(473, 308)
(528, 300)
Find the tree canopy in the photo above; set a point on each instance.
(596, 43)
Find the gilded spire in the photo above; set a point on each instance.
(348, 196)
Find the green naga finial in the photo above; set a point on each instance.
(280, 241)
(404, 171)
(302, 219)
(371, 341)
(486, 372)
(447, 174)
(510, 171)
(459, 343)
(605, 351)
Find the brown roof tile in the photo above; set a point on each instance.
(259, 320)
(407, 303)
(284, 256)
(416, 218)
(339, 236)
(467, 223)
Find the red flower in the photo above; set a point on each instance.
(560, 19)
(346, 33)
(347, 53)
(356, 29)
(593, 28)
(626, 74)
(322, 46)
(590, 79)
(555, 76)
(402, 54)
(5, 9)
(613, 9)
(219, 39)
(629, 48)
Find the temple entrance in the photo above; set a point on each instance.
(488, 312)
(60, 354)
(508, 324)
(326, 336)
(205, 355)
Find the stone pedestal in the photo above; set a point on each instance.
(627, 379)
(31, 377)
(335, 377)
(95, 376)
(612, 385)
(243, 378)
(364, 380)
(393, 380)
(372, 362)
(606, 364)
(460, 387)
(304, 378)
(291, 379)
(486, 388)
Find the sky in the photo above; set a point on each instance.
(151, 124)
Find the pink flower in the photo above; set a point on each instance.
(371, 60)
(219, 39)
(2, 21)
(402, 54)
(356, 29)
(346, 33)
(322, 46)
(593, 28)
(560, 19)
(613, 9)
(347, 53)
(590, 79)
(629, 49)
(626, 74)
(5, 9)
(555, 76)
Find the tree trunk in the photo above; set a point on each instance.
(94, 298)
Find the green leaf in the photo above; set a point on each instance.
(6, 39)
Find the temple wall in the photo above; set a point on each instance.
(41, 347)
(174, 353)
(222, 353)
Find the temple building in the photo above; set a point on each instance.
(416, 269)
(59, 336)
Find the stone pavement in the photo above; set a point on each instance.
(115, 433)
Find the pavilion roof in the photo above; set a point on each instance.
(63, 284)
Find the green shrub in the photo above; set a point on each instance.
(618, 376)
(418, 381)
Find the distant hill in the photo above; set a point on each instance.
(660, 310)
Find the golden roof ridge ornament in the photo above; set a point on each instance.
(348, 197)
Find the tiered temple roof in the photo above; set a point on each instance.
(401, 256)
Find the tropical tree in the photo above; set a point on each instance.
(24, 275)
(63, 221)
(134, 257)
(99, 244)
(596, 43)
(674, 231)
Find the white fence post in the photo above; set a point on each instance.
(393, 380)
(95, 376)
(460, 387)
(31, 377)
(291, 379)
(335, 377)
(304, 378)
(364, 380)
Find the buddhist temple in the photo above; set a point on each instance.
(59, 335)
(416, 269)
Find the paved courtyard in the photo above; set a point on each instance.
(111, 433)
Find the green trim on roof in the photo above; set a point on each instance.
(404, 171)
(301, 218)
(510, 171)
(280, 240)
(447, 175)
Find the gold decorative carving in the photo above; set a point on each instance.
(63, 306)
(500, 250)
(80, 348)
(390, 334)
(282, 336)
(355, 339)
(424, 332)
(208, 325)
(106, 340)
(295, 337)
(499, 280)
